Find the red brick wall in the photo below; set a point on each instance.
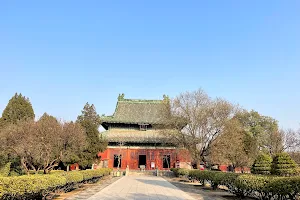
(130, 157)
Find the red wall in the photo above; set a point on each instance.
(74, 166)
(130, 157)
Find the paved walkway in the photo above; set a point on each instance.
(141, 187)
(89, 190)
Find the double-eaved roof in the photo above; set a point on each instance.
(137, 111)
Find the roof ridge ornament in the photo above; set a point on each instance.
(121, 97)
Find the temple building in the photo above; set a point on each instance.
(136, 137)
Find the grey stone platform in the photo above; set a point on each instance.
(141, 187)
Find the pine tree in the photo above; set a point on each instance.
(89, 114)
(90, 121)
(18, 108)
(46, 117)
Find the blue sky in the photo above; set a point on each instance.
(62, 54)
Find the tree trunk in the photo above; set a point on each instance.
(198, 164)
(46, 171)
(68, 167)
(24, 166)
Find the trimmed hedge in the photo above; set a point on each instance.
(29, 187)
(4, 171)
(73, 176)
(215, 178)
(42, 172)
(180, 171)
(258, 186)
(262, 164)
(284, 165)
(38, 186)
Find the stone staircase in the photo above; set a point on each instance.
(150, 173)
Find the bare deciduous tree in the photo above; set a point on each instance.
(291, 140)
(283, 140)
(43, 144)
(199, 120)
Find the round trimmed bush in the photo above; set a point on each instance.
(262, 164)
(284, 165)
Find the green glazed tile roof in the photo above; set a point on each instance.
(136, 111)
(123, 135)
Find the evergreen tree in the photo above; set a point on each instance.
(18, 108)
(46, 117)
(90, 121)
(89, 114)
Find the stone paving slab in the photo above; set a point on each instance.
(140, 188)
(91, 190)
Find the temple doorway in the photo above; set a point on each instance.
(166, 161)
(142, 160)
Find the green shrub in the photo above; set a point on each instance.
(183, 172)
(215, 178)
(90, 173)
(249, 185)
(29, 187)
(284, 187)
(262, 164)
(180, 171)
(42, 172)
(14, 173)
(174, 170)
(56, 172)
(4, 171)
(39, 185)
(73, 176)
(258, 186)
(284, 165)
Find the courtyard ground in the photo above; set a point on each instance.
(141, 187)
(146, 187)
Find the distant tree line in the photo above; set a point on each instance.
(47, 143)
